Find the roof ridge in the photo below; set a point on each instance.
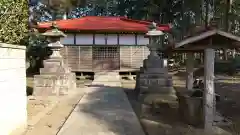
(142, 21)
(102, 17)
(137, 21)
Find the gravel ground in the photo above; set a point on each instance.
(42, 122)
(37, 105)
(169, 124)
(53, 120)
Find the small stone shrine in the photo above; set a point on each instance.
(56, 77)
(153, 82)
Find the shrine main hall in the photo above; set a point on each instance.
(98, 43)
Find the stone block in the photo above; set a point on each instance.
(155, 81)
(54, 84)
(44, 80)
(55, 70)
(148, 102)
(156, 89)
(150, 98)
(190, 109)
(53, 63)
(50, 91)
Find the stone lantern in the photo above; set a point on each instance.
(153, 82)
(155, 40)
(56, 77)
(53, 36)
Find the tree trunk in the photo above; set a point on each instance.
(226, 25)
(206, 14)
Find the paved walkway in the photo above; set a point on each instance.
(103, 110)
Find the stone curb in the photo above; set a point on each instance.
(71, 111)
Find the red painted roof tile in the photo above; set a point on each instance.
(103, 24)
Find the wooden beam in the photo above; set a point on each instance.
(190, 70)
(105, 36)
(208, 96)
(74, 39)
(94, 39)
(118, 38)
(136, 39)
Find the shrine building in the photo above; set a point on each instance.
(100, 43)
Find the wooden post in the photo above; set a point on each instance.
(208, 97)
(233, 53)
(189, 70)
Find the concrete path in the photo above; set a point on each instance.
(104, 110)
(107, 79)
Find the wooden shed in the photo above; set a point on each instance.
(97, 43)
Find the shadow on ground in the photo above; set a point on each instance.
(29, 91)
(162, 121)
(118, 117)
(107, 109)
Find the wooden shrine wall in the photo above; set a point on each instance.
(80, 58)
(78, 51)
(131, 57)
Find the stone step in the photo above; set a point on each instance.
(107, 79)
(58, 70)
(52, 76)
(155, 74)
(163, 71)
(115, 77)
(52, 63)
(157, 90)
(157, 97)
(156, 82)
(48, 91)
(50, 81)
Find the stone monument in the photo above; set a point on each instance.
(56, 77)
(153, 82)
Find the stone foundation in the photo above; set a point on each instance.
(153, 84)
(54, 79)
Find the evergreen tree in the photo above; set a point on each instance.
(14, 21)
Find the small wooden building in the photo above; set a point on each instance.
(95, 43)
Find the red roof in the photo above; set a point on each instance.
(102, 24)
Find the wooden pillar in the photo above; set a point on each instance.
(208, 96)
(165, 62)
(189, 70)
(233, 53)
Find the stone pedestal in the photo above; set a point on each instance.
(190, 108)
(153, 84)
(55, 78)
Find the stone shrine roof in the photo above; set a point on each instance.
(103, 24)
(54, 31)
